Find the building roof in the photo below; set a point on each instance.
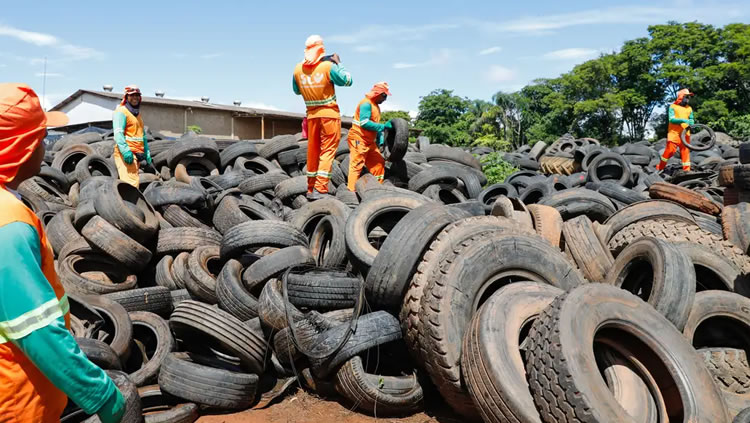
(192, 104)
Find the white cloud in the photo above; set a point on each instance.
(611, 15)
(179, 55)
(571, 54)
(497, 73)
(390, 32)
(366, 49)
(66, 50)
(49, 75)
(211, 56)
(491, 50)
(438, 58)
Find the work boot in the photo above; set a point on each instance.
(315, 195)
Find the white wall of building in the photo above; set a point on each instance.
(89, 108)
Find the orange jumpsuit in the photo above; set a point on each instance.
(363, 149)
(677, 113)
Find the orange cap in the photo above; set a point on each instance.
(130, 89)
(379, 88)
(22, 126)
(682, 93)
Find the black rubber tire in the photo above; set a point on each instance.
(106, 274)
(718, 319)
(372, 330)
(491, 361)
(645, 210)
(237, 149)
(197, 147)
(116, 244)
(94, 165)
(322, 291)
(263, 182)
(703, 147)
(179, 218)
(164, 275)
(565, 382)
(118, 325)
(588, 252)
(153, 332)
(55, 177)
(306, 329)
(84, 212)
(621, 162)
(535, 193)
(233, 211)
(580, 201)
(61, 230)
(742, 417)
(99, 353)
(232, 295)
(271, 307)
(729, 367)
(308, 216)
(261, 233)
(278, 144)
(112, 204)
(46, 191)
(618, 192)
(658, 273)
(376, 394)
(489, 194)
(358, 225)
(439, 152)
(396, 140)
(184, 195)
(157, 408)
(210, 386)
(176, 240)
(397, 260)
(454, 294)
(328, 242)
(290, 188)
(201, 280)
(156, 299)
(235, 337)
(66, 159)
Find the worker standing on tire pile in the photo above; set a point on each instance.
(314, 79)
(680, 117)
(131, 146)
(367, 135)
(40, 362)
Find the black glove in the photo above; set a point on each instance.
(140, 157)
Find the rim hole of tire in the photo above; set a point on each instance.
(94, 268)
(722, 332)
(142, 347)
(197, 169)
(71, 162)
(523, 336)
(97, 168)
(706, 279)
(640, 279)
(379, 227)
(131, 195)
(214, 266)
(250, 213)
(500, 280)
(608, 170)
(387, 360)
(651, 369)
(447, 197)
(533, 197)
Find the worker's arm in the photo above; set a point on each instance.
(691, 120)
(119, 121)
(32, 318)
(340, 76)
(146, 150)
(673, 119)
(295, 87)
(365, 113)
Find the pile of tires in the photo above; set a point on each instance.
(217, 286)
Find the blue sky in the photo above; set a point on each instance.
(246, 50)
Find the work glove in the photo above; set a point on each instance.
(140, 157)
(389, 125)
(691, 122)
(127, 156)
(380, 139)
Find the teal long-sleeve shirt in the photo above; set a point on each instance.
(119, 122)
(365, 114)
(44, 340)
(339, 76)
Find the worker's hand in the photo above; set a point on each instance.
(684, 125)
(127, 157)
(336, 59)
(691, 122)
(380, 139)
(389, 125)
(148, 158)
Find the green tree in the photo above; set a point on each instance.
(392, 114)
(441, 115)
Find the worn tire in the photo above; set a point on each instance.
(152, 331)
(273, 265)
(322, 291)
(177, 240)
(116, 244)
(156, 299)
(255, 234)
(112, 204)
(683, 196)
(99, 353)
(579, 201)
(588, 252)
(233, 297)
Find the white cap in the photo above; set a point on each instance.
(313, 40)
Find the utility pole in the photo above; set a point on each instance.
(44, 85)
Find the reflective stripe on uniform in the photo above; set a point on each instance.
(324, 174)
(32, 320)
(686, 163)
(664, 159)
(356, 123)
(133, 138)
(311, 174)
(312, 103)
(380, 178)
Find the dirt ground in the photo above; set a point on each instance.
(302, 407)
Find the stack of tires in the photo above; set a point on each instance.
(589, 294)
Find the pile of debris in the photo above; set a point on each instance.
(583, 288)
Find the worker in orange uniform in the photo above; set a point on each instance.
(314, 79)
(41, 365)
(131, 145)
(680, 117)
(366, 136)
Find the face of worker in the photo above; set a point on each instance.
(134, 100)
(31, 166)
(685, 101)
(381, 98)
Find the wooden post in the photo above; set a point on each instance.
(262, 127)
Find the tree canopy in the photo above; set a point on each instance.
(615, 97)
